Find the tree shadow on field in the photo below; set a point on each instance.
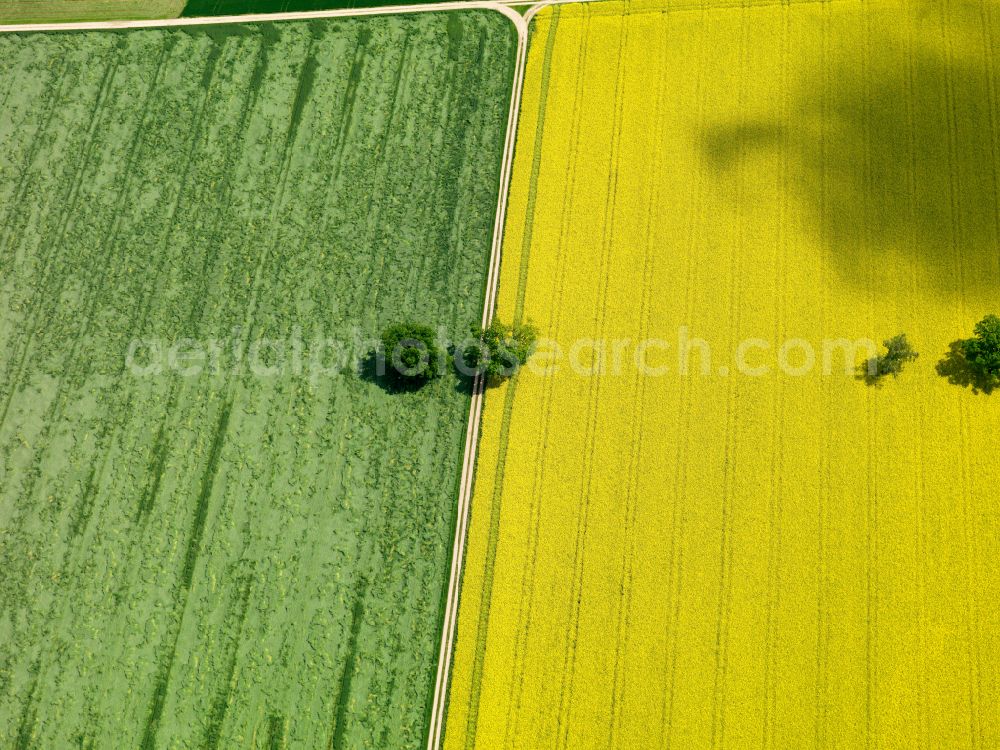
(867, 373)
(956, 368)
(465, 381)
(464, 384)
(723, 144)
(887, 172)
(373, 369)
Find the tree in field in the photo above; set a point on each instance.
(410, 353)
(982, 352)
(498, 351)
(898, 352)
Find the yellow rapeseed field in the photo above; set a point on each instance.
(766, 555)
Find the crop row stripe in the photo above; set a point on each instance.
(920, 534)
(632, 500)
(718, 727)
(872, 499)
(972, 537)
(341, 697)
(15, 369)
(954, 186)
(777, 423)
(359, 594)
(563, 258)
(525, 612)
(66, 381)
(824, 478)
(679, 519)
(986, 20)
(482, 633)
(593, 403)
(52, 96)
(536, 165)
(44, 298)
(449, 625)
(82, 513)
(195, 537)
(198, 525)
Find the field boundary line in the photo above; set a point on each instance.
(521, 24)
(440, 701)
(515, 696)
(450, 623)
(492, 280)
(387, 10)
(504, 7)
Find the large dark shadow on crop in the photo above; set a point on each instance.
(373, 369)
(956, 368)
(879, 162)
(723, 144)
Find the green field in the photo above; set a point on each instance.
(63, 11)
(235, 7)
(253, 555)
